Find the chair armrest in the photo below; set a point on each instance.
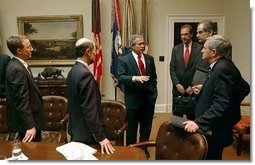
(64, 121)
(245, 103)
(144, 144)
(123, 128)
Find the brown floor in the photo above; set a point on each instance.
(228, 154)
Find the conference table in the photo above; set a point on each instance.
(47, 151)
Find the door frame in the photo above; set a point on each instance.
(172, 19)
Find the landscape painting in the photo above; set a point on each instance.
(52, 38)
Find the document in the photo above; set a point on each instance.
(199, 76)
(77, 151)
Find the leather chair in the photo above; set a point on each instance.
(5, 133)
(56, 118)
(242, 128)
(174, 143)
(115, 120)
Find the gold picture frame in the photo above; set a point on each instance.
(52, 37)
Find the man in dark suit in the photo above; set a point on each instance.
(24, 100)
(182, 68)
(84, 100)
(138, 73)
(218, 106)
(4, 59)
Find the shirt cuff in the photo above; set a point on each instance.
(133, 79)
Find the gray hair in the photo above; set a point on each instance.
(132, 39)
(221, 44)
(209, 26)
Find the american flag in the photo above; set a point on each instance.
(116, 40)
(96, 29)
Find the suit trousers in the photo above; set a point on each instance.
(215, 149)
(143, 117)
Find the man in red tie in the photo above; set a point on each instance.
(185, 57)
(137, 72)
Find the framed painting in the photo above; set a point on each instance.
(52, 38)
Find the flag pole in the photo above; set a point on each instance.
(116, 43)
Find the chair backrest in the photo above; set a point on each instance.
(55, 117)
(174, 143)
(4, 131)
(115, 120)
(55, 109)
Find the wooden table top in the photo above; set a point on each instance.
(47, 151)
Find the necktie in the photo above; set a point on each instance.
(186, 56)
(141, 66)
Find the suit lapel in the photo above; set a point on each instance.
(133, 64)
(147, 64)
(82, 66)
(192, 54)
(28, 75)
(209, 75)
(181, 58)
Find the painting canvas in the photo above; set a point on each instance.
(52, 37)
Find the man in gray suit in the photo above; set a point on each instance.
(4, 59)
(182, 68)
(24, 99)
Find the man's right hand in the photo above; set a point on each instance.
(142, 79)
(30, 135)
(106, 146)
(180, 88)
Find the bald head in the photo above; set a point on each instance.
(83, 41)
(82, 45)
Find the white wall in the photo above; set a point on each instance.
(237, 29)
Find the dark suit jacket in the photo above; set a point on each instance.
(178, 73)
(136, 93)
(218, 106)
(84, 106)
(4, 59)
(24, 100)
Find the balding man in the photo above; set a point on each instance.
(84, 100)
